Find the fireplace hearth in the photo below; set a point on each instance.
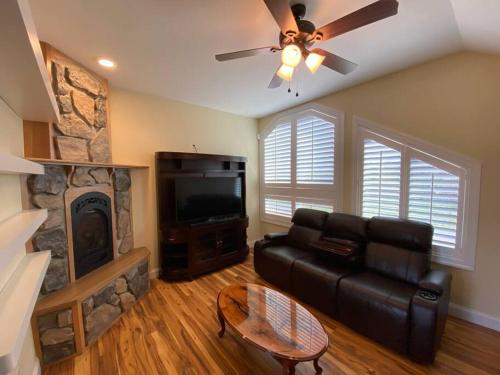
(91, 222)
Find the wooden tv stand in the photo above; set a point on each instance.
(189, 250)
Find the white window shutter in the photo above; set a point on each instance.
(314, 206)
(277, 155)
(381, 184)
(278, 206)
(315, 151)
(434, 199)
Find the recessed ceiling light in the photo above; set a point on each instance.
(106, 63)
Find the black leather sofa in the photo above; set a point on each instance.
(383, 287)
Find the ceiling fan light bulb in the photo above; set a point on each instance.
(285, 72)
(291, 55)
(314, 61)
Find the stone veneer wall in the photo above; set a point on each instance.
(82, 134)
(47, 191)
(57, 335)
(104, 307)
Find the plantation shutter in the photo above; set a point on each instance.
(315, 151)
(277, 155)
(381, 183)
(434, 199)
(278, 207)
(314, 206)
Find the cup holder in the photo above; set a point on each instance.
(428, 295)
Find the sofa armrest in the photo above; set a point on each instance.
(276, 236)
(435, 281)
(429, 310)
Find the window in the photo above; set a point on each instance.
(400, 176)
(300, 153)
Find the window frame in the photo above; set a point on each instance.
(320, 193)
(468, 170)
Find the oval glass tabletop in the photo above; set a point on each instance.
(272, 321)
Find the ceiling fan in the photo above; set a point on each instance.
(298, 35)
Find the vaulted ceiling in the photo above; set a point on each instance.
(166, 47)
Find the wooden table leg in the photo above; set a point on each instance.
(222, 323)
(317, 367)
(288, 366)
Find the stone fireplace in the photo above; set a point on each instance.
(91, 226)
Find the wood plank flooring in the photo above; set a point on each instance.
(173, 330)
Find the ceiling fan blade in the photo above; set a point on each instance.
(282, 13)
(245, 53)
(335, 62)
(364, 16)
(276, 81)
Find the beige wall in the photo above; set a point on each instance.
(142, 125)
(452, 102)
(11, 142)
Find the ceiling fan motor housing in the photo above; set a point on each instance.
(305, 38)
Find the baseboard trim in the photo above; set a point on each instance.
(474, 316)
(154, 273)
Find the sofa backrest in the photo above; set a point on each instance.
(399, 248)
(307, 227)
(345, 226)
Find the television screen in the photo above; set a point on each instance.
(201, 199)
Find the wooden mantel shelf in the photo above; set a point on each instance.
(86, 164)
(91, 283)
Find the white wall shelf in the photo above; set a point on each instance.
(14, 232)
(10, 164)
(24, 80)
(17, 301)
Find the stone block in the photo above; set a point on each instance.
(84, 106)
(101, 175)
(99, 320)
(87, 306)
(103, 295)
(142, 268)
(55, 336)
(64, 103)
(126, 244)
(73, 126)
(52, 239)
(127, 300)
(72, 149)
(123, 227)
(84, 81)
(55, 218)
(48, 201)
(81, 177)
(57, 275)
(53, 353)
(122, 180)
(65, 318)
(120, 285)
(101, 113)
(47, 321)
(52, 182)
(122, 200)
(139, 285)
(114, 300)
(99, 149)
(59, 83)
(130, 274)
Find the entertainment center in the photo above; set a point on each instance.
(202, 219)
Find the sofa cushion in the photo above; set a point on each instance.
(306, 217)
(378, 307)
(315, 281)
(397, 262)
(302, 237)
(403, 233)
(349, 227)
(275, 263)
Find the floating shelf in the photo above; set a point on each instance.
(86, 164)
(10, 164)
(24, 80)
(14, 232)
(17, 301)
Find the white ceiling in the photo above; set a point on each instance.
(167, 47)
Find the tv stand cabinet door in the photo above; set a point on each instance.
(203, 248)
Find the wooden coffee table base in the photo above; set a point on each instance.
(287, 364)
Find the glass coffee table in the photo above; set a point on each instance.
(273, 323)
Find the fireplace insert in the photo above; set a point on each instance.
(91, 222)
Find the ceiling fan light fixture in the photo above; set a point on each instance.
(314, 61)
(291, 55)
(285, 72)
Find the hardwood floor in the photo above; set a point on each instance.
(173, 330)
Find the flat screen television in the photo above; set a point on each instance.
(200, 199)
